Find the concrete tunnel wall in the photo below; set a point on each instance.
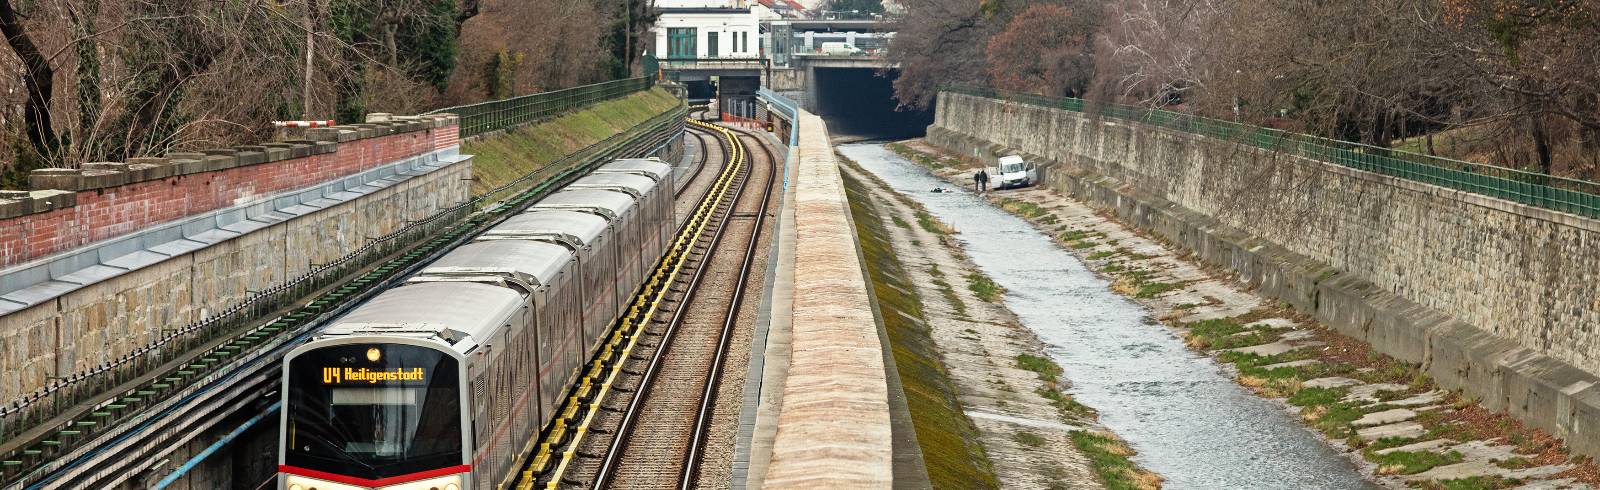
(1491, 297)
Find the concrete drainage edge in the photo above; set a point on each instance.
(1537, 389)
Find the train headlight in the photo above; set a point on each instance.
(295, 486)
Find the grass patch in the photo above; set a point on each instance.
(1047, 369)
(1026, 209)
(1409, 462)
(1082, 244)
(1073, 235)
(983, 287)
(1151, 290)
(1028, 439)
(900, 222)
(1474, 483)
(920, 158)
(1102, 254)
(949, 441)
(1108, 455)
(1312, 397)
(505, 157)
(1068, 406)
(932, 225)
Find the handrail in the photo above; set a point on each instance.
(495, 115)
(1580, 197)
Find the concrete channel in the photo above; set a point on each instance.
(1181, 411)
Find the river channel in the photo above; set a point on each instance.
(1180, 410)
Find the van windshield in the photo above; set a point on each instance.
(1010, 167)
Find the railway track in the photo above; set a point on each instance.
(242, 374)
(646, 407)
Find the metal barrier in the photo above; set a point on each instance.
(1574, 196)
(496, 115)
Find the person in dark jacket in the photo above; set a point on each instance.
(980, 181)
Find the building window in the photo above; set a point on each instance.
(680, 42)
(711, 45)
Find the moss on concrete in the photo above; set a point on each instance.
(949, 441)
(501, 158)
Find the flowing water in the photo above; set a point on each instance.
(1181, 411)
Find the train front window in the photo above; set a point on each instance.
(373, 411)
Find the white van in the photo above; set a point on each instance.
(840, 49)
(1012, 171)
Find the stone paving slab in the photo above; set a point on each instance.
(1402, 429)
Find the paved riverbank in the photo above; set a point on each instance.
(1383, 413)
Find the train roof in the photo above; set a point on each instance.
(570, 228)
(652, 167)
(537, 263)
(633, 185)
(608, 204)
(446, 310)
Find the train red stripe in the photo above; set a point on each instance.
(393, 480)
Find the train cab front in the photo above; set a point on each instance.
(373, 414)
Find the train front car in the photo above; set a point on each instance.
(367, 412)
(380, 398)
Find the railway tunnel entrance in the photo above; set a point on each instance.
(859, 104)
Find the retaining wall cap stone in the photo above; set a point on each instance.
(220, 162)
(53, 199)
(100, 179)
(250, 157)
(150, 160)
(11, 208)
(56, 178)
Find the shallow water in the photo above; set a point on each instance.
(1185, 416)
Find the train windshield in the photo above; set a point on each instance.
(373, 410)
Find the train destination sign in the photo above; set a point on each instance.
(335, 376)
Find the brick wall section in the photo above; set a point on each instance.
(40, 223)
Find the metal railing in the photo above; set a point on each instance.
(501, 114)
(1574, 196)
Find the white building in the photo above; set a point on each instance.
(689, 29)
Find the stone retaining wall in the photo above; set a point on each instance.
(1491, 297)
(68, 310)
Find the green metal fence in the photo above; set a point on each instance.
(496, 115)
(1574, 196)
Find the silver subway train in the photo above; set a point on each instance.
(439, 383)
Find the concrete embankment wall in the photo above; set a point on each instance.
(97, 268)
(833, 426)
(1491, 297)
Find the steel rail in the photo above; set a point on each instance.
(702, 423)
(609, 365)
(614, 452)
(99, 463)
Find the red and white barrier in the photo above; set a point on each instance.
(303, 124)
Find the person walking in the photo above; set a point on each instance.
(981, 181)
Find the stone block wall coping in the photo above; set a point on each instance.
(102, 175)
(1480, 200)
(41, 280)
